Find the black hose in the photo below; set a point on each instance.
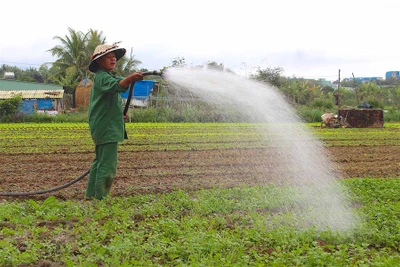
(128, 101)
(20, 194)
(152, 72)
(130, 88)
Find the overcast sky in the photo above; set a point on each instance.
(307, 38)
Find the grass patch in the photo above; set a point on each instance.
(222, 227)
(246, 226)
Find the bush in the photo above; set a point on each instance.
(43, 117)
(9, 108)
(310, 114)
(37, 117)
(72, 117)
(391, 115)
(323, 104)
(185, 113)
(375, 103)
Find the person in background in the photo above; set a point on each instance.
(106, 119)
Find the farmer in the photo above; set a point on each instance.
(106, 119)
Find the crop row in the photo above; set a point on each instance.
(75, 137)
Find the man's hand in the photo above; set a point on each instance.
(137, 76)
(134, 77)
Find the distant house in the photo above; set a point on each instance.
(324, 82)
(9, 75)
(37, 97)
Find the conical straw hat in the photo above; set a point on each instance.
(102, 50)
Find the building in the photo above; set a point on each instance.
(324, 82)
(36, 97)
(392, 74)
(9, 75)
(368, 79)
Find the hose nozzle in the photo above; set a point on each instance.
(152, 72)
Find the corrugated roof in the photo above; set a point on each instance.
(32, 94)
(7, 85)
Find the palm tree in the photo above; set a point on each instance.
(127, 65)
(73, 58)
(94, 38)
(72, 63)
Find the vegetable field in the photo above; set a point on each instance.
(189, 195)
(163, 157)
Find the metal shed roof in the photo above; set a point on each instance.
(32, 94)
(28, 90)
(7, 85)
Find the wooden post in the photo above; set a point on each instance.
(356, 89)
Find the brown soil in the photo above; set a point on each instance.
(163, 171)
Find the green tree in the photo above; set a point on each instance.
(30, 75)
(178, 62)
(366, 90)
(94, 38)
(215, 66)
(395, 97)
(44, 72)
(2, 70)
(296, 90)
(273, 76)
(127, 65)
(326, 90)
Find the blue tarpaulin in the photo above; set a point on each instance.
(27, 106)
(44, 104)
(141, 90)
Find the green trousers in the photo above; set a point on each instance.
(102, 171)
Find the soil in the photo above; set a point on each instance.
(163, 171)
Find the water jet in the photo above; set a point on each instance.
(304, 165)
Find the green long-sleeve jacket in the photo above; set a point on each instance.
(106, 120)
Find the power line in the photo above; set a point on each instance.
(19, 63)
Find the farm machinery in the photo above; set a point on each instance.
(333, 121)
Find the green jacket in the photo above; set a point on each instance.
(106, 120)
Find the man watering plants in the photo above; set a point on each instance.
(106, 119)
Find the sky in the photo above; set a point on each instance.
(307, 38)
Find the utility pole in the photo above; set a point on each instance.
(337, 95)
(338, 91)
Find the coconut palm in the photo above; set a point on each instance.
(127, 65)
(94, 38)
(71, 65)
(73, 58)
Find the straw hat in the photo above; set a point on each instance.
(102, 50)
